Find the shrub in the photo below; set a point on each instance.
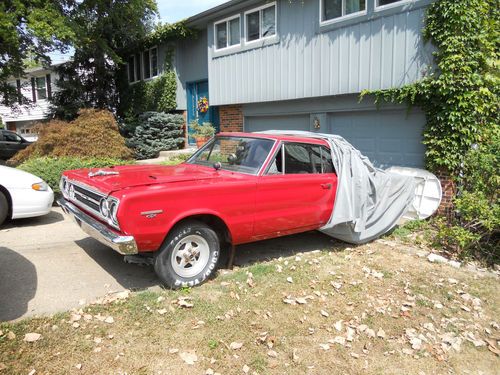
(474, 229)
(94, 133)
(50, 169)
(157, 132)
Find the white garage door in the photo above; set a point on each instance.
(386, 137)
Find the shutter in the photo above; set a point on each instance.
(33, 89)
(49, 86)
(18, 85)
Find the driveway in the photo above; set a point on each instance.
(49, 265)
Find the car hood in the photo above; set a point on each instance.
(112, 179)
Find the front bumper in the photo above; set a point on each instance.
(124, 245)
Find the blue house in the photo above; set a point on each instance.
(301, 64)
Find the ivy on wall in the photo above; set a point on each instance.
(460, 96)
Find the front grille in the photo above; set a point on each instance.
(87, 198)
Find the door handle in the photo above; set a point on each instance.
(326, 186)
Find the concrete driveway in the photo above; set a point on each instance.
(48, 265)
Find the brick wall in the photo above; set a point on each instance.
(231, 118)
(449, 190)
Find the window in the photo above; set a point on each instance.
(301, 159)
(227, 33)
(237, 154)
(381, 3)
(138, 67)
(11, 137)
(332, 9)
(131, 69)
(154, 61)
(41, 88)
(147, 67)
(260, 23)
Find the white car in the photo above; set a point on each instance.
(23, 195)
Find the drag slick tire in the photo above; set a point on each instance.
(189, 255)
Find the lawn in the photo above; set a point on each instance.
(381, 308)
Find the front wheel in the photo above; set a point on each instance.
(189, 256)
(4, 208)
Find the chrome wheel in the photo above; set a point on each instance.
(190, 256)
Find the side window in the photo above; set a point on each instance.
(12, 137)
(326, 160)
(302, 159)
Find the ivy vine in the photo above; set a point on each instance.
(460, 95)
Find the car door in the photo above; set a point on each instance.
(297, 191)
(12, 143)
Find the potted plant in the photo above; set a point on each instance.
(202, 133)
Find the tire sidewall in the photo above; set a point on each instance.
(4, 207)
(163, 265)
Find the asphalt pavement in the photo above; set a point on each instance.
(49, 265)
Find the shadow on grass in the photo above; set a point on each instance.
(285, 246)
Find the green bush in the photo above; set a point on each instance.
(157, 132)
(474, 229)
(50, 169)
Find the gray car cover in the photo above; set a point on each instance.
(369, 201)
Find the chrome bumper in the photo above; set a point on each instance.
(124, 245)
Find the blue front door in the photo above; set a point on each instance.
(195, 92)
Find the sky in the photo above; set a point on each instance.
(176, 10)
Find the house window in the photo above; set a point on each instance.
(154, 61)
(147, 67)
(137, 66)
(332, 9)
(131, 69)
(41, 88)
(227, 33)
(260, 23)
(150, 63)
(381, 3)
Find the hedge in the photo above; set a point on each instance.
(50, 169)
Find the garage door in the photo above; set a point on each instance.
(387, 138)
(260, 123)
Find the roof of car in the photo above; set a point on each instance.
(280, 137)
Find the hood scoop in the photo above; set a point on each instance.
(100, 172)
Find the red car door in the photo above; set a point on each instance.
(297, 191)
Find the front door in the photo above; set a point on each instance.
(297, 192)
(196, 91)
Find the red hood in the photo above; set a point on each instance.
(140, 175)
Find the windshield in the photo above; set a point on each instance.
(237, 154)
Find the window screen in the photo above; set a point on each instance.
(221, 30)
(234, 32)
(253, 31)
(41, 89)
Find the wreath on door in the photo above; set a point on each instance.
(203, 105)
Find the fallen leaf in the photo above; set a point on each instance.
(289, 279)
(381, 333)
(78, 366)
(32, 337)
(183, 303)
(338, 325)
(246, 369)
(354, 355)
(324, 313)
(173, 350)
(109, 320)
(301, 301)
(272, 354)
(338, 340)
(324, 346)
(11, 335)
(162, 311)
(189, 357)
(235, 345)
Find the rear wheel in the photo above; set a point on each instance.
(4, 208)
(189, 256)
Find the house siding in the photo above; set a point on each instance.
(308, 60)
(190, 62)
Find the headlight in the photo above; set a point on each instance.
(104, 207)
(109, 210)
(40, 186)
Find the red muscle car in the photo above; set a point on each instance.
(238, 188)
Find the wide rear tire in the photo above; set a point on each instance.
(189, 255)
(4, 208)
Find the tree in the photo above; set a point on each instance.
(104, 29)
(29, 31)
